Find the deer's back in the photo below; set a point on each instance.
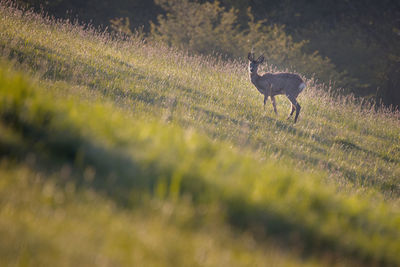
(283, 83)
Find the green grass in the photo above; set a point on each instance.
(119, 152)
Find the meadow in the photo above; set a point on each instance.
(118, 152)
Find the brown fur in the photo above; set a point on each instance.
(272, 84)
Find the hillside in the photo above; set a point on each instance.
(122, 152)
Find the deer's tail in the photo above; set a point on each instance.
(301, 87)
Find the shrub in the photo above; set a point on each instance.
(208, 28)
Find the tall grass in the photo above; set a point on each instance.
(130, 121)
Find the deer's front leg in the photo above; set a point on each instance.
(265, 100)
(274, 104)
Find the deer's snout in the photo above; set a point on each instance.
(252, 67)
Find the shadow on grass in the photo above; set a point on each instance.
(215, 115)
(348, 146)
(316, 156)
(58, 66)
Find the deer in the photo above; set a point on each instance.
(272, 84)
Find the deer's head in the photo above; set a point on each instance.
(253, 64)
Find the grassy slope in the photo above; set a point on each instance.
(99, 138)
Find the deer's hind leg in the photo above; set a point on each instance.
(296, 105)
(291, 112)
(274, 104)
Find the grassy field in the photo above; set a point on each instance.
(120, 152)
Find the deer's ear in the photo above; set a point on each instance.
(260, 59)
(250, 56)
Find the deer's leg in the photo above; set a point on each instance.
(274, 104)
(296, 105)
(291, 112)
(298, 108)
(265, 100)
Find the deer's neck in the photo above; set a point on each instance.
(254, 77)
